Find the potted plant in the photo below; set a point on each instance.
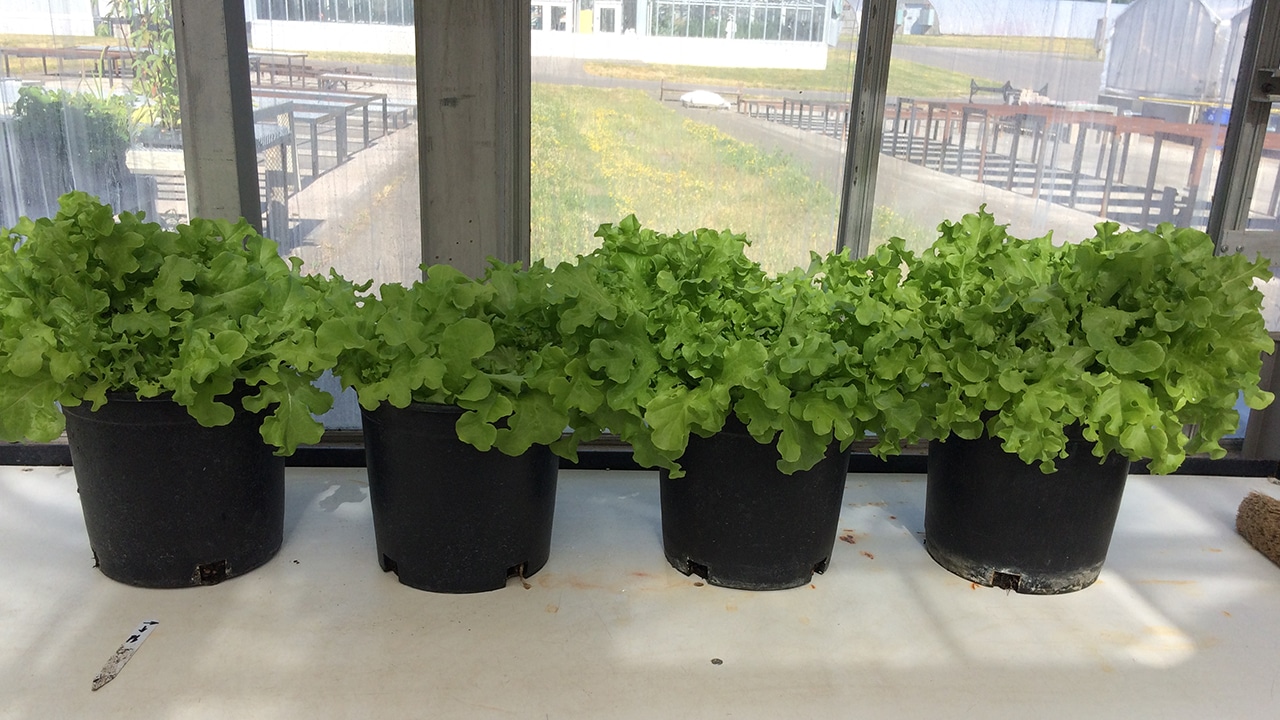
(1077, 358)
(456, 381)
(733, 384)
(180, 360)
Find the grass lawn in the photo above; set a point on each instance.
(51, 41)
(602, 154)
(360, 58)
(906, 78)
(599, 155)
(48, 41)
(1066, 47)
(24, 66)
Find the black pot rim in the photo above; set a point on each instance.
(443, 408)
(417, 406)
(131, 395)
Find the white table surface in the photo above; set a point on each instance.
(1183, 623)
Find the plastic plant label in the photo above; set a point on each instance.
(117, 661)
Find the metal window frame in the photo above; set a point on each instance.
(1257, 87)
(862, 152)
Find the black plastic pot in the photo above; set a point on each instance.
(168, 503)
(996, 521)
(737, 521)
(450, 518)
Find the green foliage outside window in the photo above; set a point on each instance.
(68, 140)
(148, 36)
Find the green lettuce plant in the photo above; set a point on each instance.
(91, 303)
(484, 345)
(668, 334)
(1131, 336)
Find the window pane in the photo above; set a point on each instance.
(339, 174)
(1056, 116)
(611, 135)
(90, 104)
(697, 18)
(339, 98)
(1070, 113)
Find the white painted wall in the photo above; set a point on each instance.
(706, 52)
(348, 37)
(47, 17)
(718, 52)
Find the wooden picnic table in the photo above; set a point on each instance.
(114, 55)
(315, 113)
(333, 79)
(256, 58)
(360, 100)
(1046, 122)
(109, 58)
(273, 135)
(401, 112)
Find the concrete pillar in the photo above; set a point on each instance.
(473, 131)
(217, 109)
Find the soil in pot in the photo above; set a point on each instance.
(737, 521)
(169, 503)
(448, 517)
(994, 520)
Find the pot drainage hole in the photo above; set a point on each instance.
(1006, 581)
(517, 571)
(211, 573)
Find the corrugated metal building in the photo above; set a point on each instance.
(1182, 50)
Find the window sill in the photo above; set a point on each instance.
(608, 629)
